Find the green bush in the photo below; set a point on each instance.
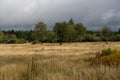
(20, 41)
(108, 52)
(35, 42)
(11, 41)
(91, 38)
(16, 41)
(108, 57)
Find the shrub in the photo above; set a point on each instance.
(108, 57)
(35, 42)
(108, 52)
(16, 41)
(20, 41)
(11, 41)
(92, 38)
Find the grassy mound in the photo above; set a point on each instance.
(108, 57)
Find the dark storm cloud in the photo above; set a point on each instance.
(93, 13)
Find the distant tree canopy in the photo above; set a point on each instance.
(71, 22)
(41, 26)
(105, 32)
(1, 36)
(62, 32)
(40, 31)
(80, 30)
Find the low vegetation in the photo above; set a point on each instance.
(108, 57)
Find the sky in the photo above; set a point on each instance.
(93, 13)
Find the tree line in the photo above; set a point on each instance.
(62, 32)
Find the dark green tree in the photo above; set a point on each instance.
(60, 30)
(40, 30)
(1, 35)
(71, 22)
(119, 31)
(117, 37)
(29, 36)
(80, 30)
(51, 37)
(70, 33)
(106, 33)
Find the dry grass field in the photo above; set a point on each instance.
(55, 62)
(56, 49)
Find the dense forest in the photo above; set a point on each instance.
(66, 32)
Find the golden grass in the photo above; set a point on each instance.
(56, 49)
(55, 62)
(49, 67)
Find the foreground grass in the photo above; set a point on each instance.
(64, 67)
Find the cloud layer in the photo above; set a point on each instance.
(93, 13)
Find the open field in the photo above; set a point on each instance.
(56, 49)
(54, 62)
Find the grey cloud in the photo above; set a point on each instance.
(112, 17)
(93, 13)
